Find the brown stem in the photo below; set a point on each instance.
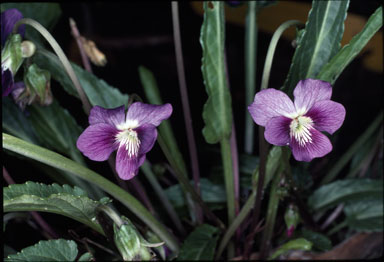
(77, 36)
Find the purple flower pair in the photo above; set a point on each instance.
(8, 19)
(299, 124)
(132, 135)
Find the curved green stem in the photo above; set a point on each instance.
(53, 159)
(64, 60)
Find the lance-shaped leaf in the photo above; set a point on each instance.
(200, 244)
(66, 201)
(320, 40)
(217, 112)
(331, 71)
(51, 250)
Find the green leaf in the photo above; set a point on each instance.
(211, 193)
(365, 215)
(320, 41)
(217, 112)
(344, 190)
(65, 201)
(331, 71)
(86, 257)
(53, 159)
(295, 244)
(37, 80)
(97, 90)
(320, 241)
(200, 244)
(50, 250)
(47, 14)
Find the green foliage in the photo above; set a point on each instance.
(211, 193)
(365, 214)
(200, 244)
(47, 14)
(331, 71)
(67, 201)
(344, 190)
(217, 112)
(319, 241)
(295, 244)
(320, 41)
(98, 91)
(50, 250)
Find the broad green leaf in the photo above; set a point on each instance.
(295, 244)
(344, 190)
(217, 112)
(98, 91)
(58, 161)
(47, 250)
(200, 244)
(366, 214)
(331, 71)
(211, 193)
(16, 122)
(65, 201)
(320, 41)
(47, 14)
(319, 241)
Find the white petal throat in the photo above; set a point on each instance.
(130, 140)
(300, 130)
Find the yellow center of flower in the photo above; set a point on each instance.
(300, 129)
(128, 137)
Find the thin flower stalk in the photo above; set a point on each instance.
(76, 35)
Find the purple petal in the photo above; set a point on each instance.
(277, 131)
(126, 167)
(270, 103)
(6, 81)
(8, 20)
(149, 114)
(97, 142)
(319, 147)
(114, 116)
(147, 135)
(327, 115)
(308, 92)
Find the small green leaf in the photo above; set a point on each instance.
(217, 112)
(38, 80)
(331, 71)
(86, 257)
(344, 190)
(320, 241)
(50, 250)
(47, 14)
(295, 244)
(320, 41)
(97, 90)
(200, 244)
(366, 214)
(211, 193)
(67, 201)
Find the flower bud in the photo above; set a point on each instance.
(292, 218)
(11, 55)
(28, 48)
(129, 242)
(38, 85)
(90, 48)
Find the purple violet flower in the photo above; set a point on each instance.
(299, 124)
(132, 135)
(8, 20)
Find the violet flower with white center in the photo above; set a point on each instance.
(132, 135)
(299, 124)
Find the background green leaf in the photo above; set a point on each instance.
(47, 14)
(200, 244)
(295, 244)
(320, 41)
(345, 190)
(98, 91)
(331, 71)
(217, 112)
(50, 250)
(319, 241)
(65, 201)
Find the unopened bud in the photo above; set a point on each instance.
(90, 48)
(28, 48)
(38, 83)
(292, 219)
